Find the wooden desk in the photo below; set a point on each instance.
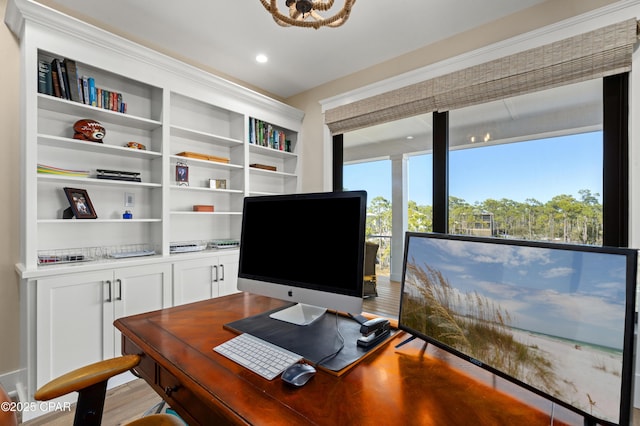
(391, 387)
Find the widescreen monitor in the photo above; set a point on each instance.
(305, 248)
(556, 319)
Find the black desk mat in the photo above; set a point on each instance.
(314, 341)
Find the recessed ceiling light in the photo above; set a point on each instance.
(262, 58)
(409, 137)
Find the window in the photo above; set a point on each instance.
(420, 182)
(507, 178)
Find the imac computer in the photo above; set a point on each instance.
(305, 248)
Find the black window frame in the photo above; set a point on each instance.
(615, 197)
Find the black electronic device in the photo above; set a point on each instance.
(305, 248)
(556, 319)
(298, 374)
(374, 331)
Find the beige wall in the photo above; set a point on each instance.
(9, 199)
(312, 174)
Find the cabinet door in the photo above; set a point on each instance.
(137, 290)
(71, 311)
(193, 280)
(228, 274)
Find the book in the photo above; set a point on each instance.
(203, 208)
(199, 156)
(44, 78)
(55, 82)
(72, 80)
(92, 92)
(57, 67)
(85, 89)
(263, 167)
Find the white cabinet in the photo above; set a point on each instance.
(200, 279)
(75, 314)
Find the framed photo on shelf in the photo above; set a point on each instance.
(80, 203)
(182, 174)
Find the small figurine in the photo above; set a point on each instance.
(89, 130)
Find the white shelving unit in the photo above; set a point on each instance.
(171, 108)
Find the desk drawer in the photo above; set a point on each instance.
(147, 367)
(178, 395)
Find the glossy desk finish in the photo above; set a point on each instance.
(390, 387)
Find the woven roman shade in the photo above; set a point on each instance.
(596, 54)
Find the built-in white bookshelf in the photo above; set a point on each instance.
(171, 109)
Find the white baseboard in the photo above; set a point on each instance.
(13, 381)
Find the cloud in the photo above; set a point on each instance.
(557, 272)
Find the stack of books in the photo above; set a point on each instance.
(50, 170)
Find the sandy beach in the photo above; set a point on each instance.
(581, 370)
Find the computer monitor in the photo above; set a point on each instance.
(305, 248)
(556, 319)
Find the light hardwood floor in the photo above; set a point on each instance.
(122, 405)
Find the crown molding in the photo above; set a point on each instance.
(22, 12)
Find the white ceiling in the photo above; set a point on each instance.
(226, 35)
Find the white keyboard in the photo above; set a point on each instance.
(259, 356)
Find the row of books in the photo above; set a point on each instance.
(264, 134)
(60, 78)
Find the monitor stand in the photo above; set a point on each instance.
(299, 314)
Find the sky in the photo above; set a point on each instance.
(574, 295)
(538, 169)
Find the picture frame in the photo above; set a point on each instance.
(182, 174)
(80, 203)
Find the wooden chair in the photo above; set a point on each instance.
(370, 280)
(91, 384)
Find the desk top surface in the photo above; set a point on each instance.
(392, 386)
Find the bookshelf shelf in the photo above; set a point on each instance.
(93, 181)
(76, 222)
(204, 137)
(203, 189)
(263, 150)
(98, 148)
(190, 213)
(205, 163)
(64, 106)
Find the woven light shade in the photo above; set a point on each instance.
(305, 13)
(596, 54)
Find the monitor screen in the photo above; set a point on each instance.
(557, 319)
(306, 248)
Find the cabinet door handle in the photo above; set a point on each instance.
(109, 299)
(215, 275)
(119, 282)
(221, 272)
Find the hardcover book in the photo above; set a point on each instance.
(72, 80)
(44, 78)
